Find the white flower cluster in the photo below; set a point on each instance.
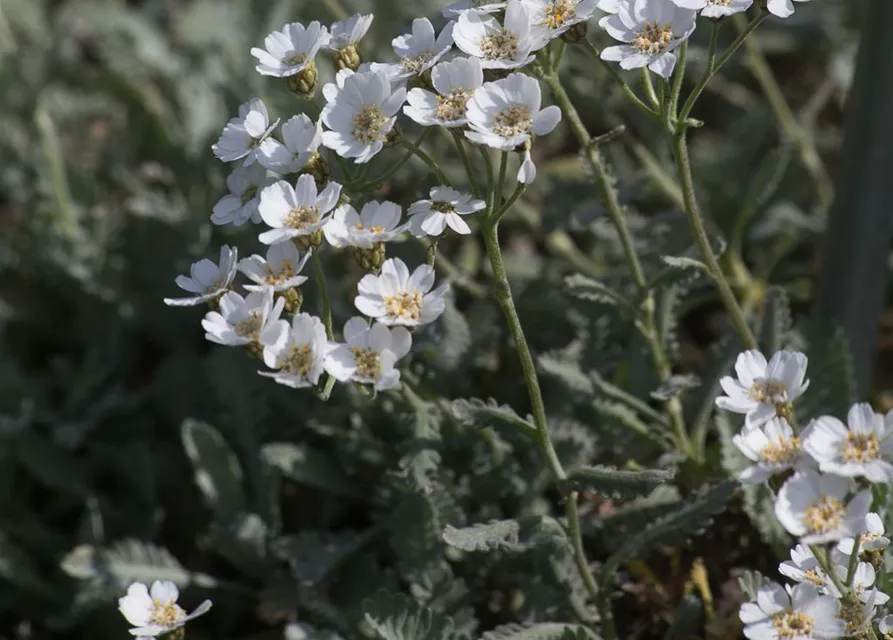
(825, 501)
(155, 612)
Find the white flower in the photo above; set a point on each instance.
(804, 567)
(782, 8)
(376, 222)
(240, 206)
(455, 83)
(652, 29)
(499, 46)
(360, 113)
(297, 211)
(300, 141)
(715, 8)
(396, 297)
(369, 355)
(551, 18)
(872, 538)
(763, 390)
(773, 448)
(857, 616)
(156, 613)
(506, 113)
(242, 321)
(419, 50)
(813, 507)
(207, 280)
(885, 625)
(860, 448)
(445, 208)
(291, 50)
(801, 613)
(299, 352)
(279, 271)
(243, 134)
(478, 6)
(863, 582)
(609, 6)
(347, 33)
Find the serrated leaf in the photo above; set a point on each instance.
(626, 417)
(127, 561)
(217, 471)
(586, 288)
(396, 617)
(751, 582)
(675, 386)
(309, 467)
(541, 631)
(567, 371)
(776, 320)
(618, 483)
(682, 262)
(483, 412)
(511, 535)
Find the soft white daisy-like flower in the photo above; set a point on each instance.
(420, 50)
(551, 18)
(499, 46)
(862, 447)
(805, 567)
(376, 222)
(360, 113)
(280, 270)
(396, 297)
(864, 578)
(506, 114)
(872, 538)
(444, 209)
(296, 211)
(773, 447)
(801, 613)
(857, 615)
(207, 280)
(240, 206)
(479, 6)
(782, 8)
(885, 626)
(455, 83)
(243, 321)
(369, 355)
(347, 33)
(299, 353)
(764, 390)
(715, 8)
(243, 134)
(301, 138)
(155, 612)
(290, 51)
(814, 507)
(651, 29)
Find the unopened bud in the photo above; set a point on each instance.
(318, 168)
(257, 350)
(311, 241)
(294, 298)
(370, 259)
(304, 83)
(576, 33)
(393, 137)
(348, 58)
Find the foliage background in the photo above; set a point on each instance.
(131, 449)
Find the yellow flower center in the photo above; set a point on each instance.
(722, 3)
(369, 124)
(781, 451)
(769, 391)
(813, 576)
(295, 60)
(406, 305)
(559, 12)
(442, 206)
(377, 229)
(514, 121)
(824, 515)
(285, 272)
(368, 363)
(166, 613)
(451, 107)
(791, 624)
(414, 64)
(249, 328)
(298, 362)
(860, 447)
(853, 615)
(499, 46)
(653, 38)
(301, 217)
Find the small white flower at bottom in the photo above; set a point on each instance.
(862, 447)
(240, 206)
(206, 279)
(445, 209)
(156, 612)
(801, 613)
(715, 8)
(296, 211)
(782, 8)
(652, 30)
(814, 507)
(369, 355)
(773, 448)
(280, 270)
(298, 354)
(301, 138)
(243, 321)
(376, 222)
(396, 297)
(243, 134)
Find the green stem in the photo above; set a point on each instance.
(394, 168)
(648, 86)
(323, 294)
(466, 162)
(823, 556)
(618, 79)
(518, 192)
(496, 203)
(854, 561)
(686, 180)
(428, 160)
(679, 72)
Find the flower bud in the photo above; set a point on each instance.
(312, 241)
(371, 259)
(294, 298)
(576, 33)
(348, 58)
(256, 350)
(304, 83)
(318, 168)
(393, 137)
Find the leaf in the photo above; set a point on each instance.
(586, 288)
(484, 537)
(675, 386)
(751, 582)
(776, 320)
(687, 621)
(567, 371)
(541, 631)
(617, 483)
(688, 519)
(832, 386)
(217, 471)
(243, 542)
(126, 562)
(309, 467)
(701, 404)
(682, 262)
(622, 415)
(482, 412)
(396, 617)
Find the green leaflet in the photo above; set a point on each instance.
(618, 483)
(217, 471)
(511, 535)
(128, 561)
(586, 288)
(393, 616)
(541, 631)
(483, 412)
(309, 467)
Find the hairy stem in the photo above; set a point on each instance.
(323, 294)
(466, 162)
(428, 160)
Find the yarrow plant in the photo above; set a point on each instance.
(486, 77)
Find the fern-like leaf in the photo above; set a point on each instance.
(126, 562)
(217, 471)
(484, 412)
(618, 483)
(393, 616)
(541, 631)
